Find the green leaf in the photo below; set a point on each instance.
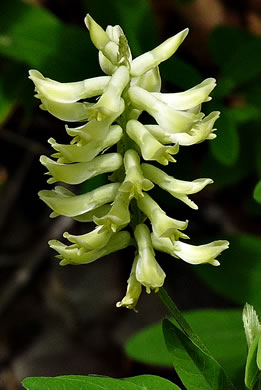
(246, 163)
(77, 382)
(257, 192)
(12, 80)
(147, 346)
(32, 35)
(246, 113)
(220, 330)
(151, 382)
(239, 275)
(238, 54)
(225, 148)
(197, 369)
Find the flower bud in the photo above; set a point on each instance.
(98, 36)
(161, 53)
(151, 149)
(72, 255)
(73, 205)
(134, 182)
(118, 216)
(101, 40)
(67, 92)
(133, 289)
(180, 189)
(190, 98)
(162, 225)
(148, 271)
(169, 119)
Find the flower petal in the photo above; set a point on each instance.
(71, 206)
(67, 92)
(177, 188)
(202, 253)
(190, 98)
(161, 53)
(148, 271)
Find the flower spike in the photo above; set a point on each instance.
(112, 119)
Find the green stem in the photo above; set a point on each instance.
(175, 312)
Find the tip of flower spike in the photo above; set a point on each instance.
(98, 36)
(87, 20)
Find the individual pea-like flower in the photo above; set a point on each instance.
(148, 271)
(118, 216)
(70, 205)
(150, 148)
(162, 225)
(73, 255)
(192, 254)
(79, 172)
(134, 289)
(201, 131)
(180, 189)
(134, 182)
(109, 109)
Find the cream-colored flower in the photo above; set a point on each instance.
(169, 119)
(180, 189)
(70, 205)
(79, 172)
(133, 289)
(191, 253)
(162, 225)
(72, 255)
(190, 98)
(87, 152)
(67, 92)
(118, 216)
(148, 271)
(201, 131)
(153, 58)
(134, 182)
(110, 102)
(95, 239)
(150, 148)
